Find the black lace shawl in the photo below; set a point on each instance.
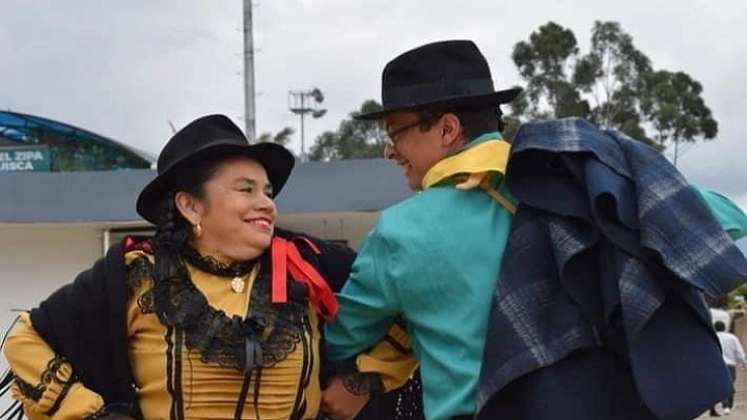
(219, 338)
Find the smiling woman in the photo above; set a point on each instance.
(217, 316)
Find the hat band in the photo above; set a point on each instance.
(424, 93)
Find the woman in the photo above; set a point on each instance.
(218, 316)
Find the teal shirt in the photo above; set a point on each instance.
(433, 258)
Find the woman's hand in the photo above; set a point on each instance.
(340, 404)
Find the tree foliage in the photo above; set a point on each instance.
(614, 85)
(675, 109)
(282, 137)
(545, 63)
(353, 139)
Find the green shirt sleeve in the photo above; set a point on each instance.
(368, 302)
(728, 214)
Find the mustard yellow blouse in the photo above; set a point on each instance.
(210, 391)
(289, 389)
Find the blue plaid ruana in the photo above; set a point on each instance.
(599, 310)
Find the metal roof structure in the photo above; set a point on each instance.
(72, 148)
(109, 196)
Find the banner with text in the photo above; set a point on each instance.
(31, 158)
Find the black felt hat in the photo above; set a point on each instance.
(208, 136)
(442, 73)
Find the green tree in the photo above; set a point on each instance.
(613, 85)
(673, 105)
(282, 137)
(353, 139)
(611, 77)
(546, 63)
(512, 120)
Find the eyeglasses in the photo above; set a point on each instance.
(392, 135)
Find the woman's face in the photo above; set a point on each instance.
(236, 212)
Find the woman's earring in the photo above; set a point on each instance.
(197, 228)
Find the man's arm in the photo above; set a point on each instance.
(727, 213)
(368, 306)
(368, 302)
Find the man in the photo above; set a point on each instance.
(434, 258)
(733, 357)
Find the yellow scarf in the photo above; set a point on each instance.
(473, 167)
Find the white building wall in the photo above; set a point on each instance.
(347, 226)
(35, 260)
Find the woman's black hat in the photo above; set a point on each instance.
(439, 74)
(208, 136)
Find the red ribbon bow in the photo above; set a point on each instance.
(286, 258)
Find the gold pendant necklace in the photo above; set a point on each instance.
(238, 284)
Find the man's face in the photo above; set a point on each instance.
(413, 149)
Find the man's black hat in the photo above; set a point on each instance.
(208, 136)
(442, 73)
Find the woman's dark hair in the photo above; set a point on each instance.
(475, 120)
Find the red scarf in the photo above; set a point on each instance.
(286, 258)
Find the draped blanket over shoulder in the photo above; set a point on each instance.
(599, 309)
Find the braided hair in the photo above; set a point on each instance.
(173, 229)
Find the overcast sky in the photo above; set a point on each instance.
(125, 69)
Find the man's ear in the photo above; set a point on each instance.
(190, 207)
(451, 130)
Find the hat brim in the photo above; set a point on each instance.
(496, 98)
(277, 161)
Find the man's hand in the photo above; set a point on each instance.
(340, 404)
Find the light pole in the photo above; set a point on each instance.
(302, 102)
(249, 117)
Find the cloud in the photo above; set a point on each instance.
(742, 201)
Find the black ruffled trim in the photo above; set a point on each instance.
(210, 265)
(277, 329)
(48, 376)
(35, 393)
(30, 391)
(138, 270)
(50, 373)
